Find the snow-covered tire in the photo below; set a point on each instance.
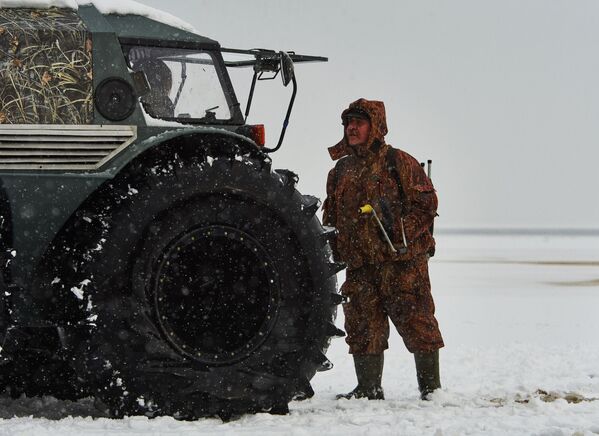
(208, 289)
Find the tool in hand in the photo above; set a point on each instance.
(368, 209)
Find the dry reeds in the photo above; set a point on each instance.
(45, 67)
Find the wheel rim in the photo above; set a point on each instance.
(216, 294)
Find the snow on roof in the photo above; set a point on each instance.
(130, 7)
(38, 4)
(116, 7)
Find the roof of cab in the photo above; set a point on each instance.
(138, 28)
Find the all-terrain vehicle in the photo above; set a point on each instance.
(151, 256)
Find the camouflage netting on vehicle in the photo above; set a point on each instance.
(45, 67)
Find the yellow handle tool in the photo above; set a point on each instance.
(368, 209)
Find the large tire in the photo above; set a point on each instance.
(34, 367)
(207, 286)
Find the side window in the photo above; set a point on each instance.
(157, 101)
(184, 85)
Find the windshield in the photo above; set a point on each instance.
(182, 85)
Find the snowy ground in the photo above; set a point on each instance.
(519, 316)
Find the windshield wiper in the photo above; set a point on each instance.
(183, 79)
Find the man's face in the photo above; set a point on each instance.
(357, 131)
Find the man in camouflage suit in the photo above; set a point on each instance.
(381, 284)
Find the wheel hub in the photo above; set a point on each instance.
(216, 294)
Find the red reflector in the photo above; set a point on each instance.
(258, 134)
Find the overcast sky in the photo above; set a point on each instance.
(502, 95)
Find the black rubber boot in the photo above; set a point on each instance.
(369, 372)
(427, 372)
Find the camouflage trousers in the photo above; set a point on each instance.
(399, 291)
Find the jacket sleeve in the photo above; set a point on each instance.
(420, 199)
(329, 209)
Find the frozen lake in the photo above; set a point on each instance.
(519, 315)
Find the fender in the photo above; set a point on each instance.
(151, 137)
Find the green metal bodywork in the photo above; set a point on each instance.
(42, 201)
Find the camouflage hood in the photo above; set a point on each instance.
(376, 113)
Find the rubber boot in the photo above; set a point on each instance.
(369, 372)
(427, 372)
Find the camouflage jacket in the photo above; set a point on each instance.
(393, 182)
